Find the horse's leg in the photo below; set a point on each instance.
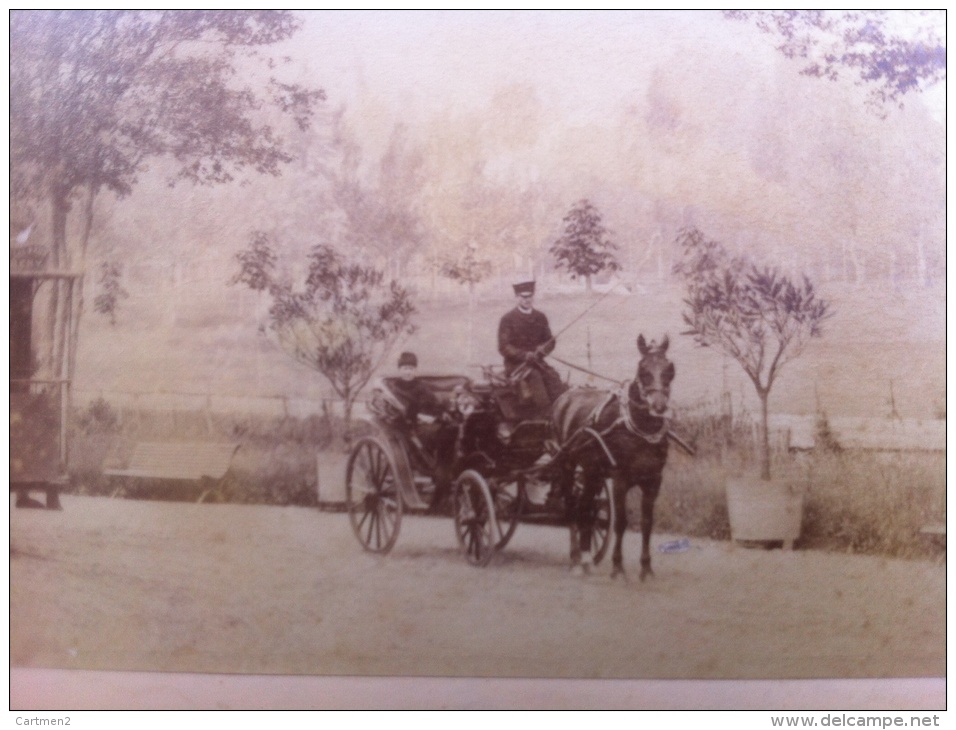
(649, 490)
(564, 481)
(619, 495)
(591, 480)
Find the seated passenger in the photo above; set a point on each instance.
(416, 396)
(432, 430)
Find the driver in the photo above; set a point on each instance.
(524, 338)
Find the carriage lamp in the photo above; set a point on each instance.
(465, 402)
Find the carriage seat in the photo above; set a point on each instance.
(386, 401)
(442, 386)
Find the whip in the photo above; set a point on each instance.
(523, 369)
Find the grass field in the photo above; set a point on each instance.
(206, 341)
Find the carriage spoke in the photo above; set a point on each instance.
(371, 527)
(378, 529)
(365, 516)
(387, 515)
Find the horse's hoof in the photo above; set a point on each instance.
(645, 573)
(619, 573)
(581, 570)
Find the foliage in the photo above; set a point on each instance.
(96, 95)
(467, 269)
(375, 203)
(98, 417)
(342, 322)
(754, 314)
(890, 52)
(111, 290)
(584, 248)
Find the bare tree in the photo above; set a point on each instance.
(758, 316)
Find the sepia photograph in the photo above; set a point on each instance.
(403, 349)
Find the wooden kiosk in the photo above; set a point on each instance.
(39, 407)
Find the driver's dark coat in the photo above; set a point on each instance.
(520, 333)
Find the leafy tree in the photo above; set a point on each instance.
(111, 290)
(376, 213)
(467, 269)
(343, 321)
(584, 248)
(758, 316)
(96, 95)
(892, 53)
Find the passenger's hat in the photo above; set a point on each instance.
(525, 287)
(406, 359)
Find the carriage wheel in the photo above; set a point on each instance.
(509, 503)
(372, 495)
(602, 516)
(475, 523)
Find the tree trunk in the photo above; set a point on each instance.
(764, 435)
(53, 344)
(347, 417)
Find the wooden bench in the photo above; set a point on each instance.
(203, 463)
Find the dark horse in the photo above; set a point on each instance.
(619, 435)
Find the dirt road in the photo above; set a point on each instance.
(114, 584)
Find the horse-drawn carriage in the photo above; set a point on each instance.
(500, 468)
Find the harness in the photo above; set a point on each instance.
(624, 418)
(625, 401)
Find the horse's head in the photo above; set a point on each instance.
(654, 375)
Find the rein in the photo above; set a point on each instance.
(584, 370)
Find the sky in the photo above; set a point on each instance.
(582, 63)
(585, 63)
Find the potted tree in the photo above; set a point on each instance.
(763, 320)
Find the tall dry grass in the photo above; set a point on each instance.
(864, 502)
(854, 501)
(275, 463)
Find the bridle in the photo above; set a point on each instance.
(627, 417)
